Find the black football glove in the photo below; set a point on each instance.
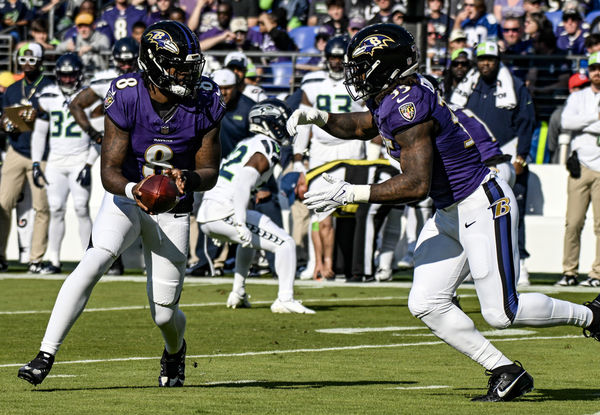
(573, 166)
(85, 176)
(95, 136)
(38, 175)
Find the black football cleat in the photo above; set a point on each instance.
(506, 383)
(593, 330)
(36, 371)
(172, 369)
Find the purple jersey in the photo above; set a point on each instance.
(121, 21)
(457, 166)
(156, 143)
(484, 139)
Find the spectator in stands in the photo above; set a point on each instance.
(336, 17)
(39, 33)
(137, 31)
(502, 102)
(247, 9)
(202, 16)
(243, 42)
(219, 37)
(121, 17)
(354, 25)
(435, 46)
(457, 40)
(532, 6)
(571, 38)
(384, 15)
(291, 14)
(177, 14)
(577, 82)
(89, 7)
(317, 12)
(460, 64)
(398, 13)
(512, 42)
(477, 23)
(592, 43)
(508, 8)
(18, 167)
(536, 24)
(316, 63)
(164, 7)
(15, 17)
(580, 116)
(442, 23)
(551, 73)
(274, 38)
(88, 44)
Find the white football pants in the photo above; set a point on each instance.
(479, 235)
(265, 235)
(165, 239)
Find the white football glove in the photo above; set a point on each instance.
(338, 193)
(244, 234)
(303, 116)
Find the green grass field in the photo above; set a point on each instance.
(254, 362)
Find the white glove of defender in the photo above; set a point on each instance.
(339, 193)
(304, 116)
(244, 234)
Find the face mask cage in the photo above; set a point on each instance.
(68, 81)
(356, 76)
(182, 81)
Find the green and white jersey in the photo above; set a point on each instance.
(329, 95)
(65, 137)
(224, 189)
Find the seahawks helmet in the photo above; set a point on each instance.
(69, 73)
(336, 48)
(170, 58)
(377, 56)
(125, 53)
(269, 117)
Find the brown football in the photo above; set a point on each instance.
(159, 193)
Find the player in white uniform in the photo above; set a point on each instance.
(125, 53)
(70, 159)
(325, 90)
(223, 214)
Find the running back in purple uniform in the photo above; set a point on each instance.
(474, 229)
(457, 167)
(157, 144)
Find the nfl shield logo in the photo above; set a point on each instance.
(408, 111)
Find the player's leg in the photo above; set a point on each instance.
(39, 241)
(81, 198)
(58, 192)
(117, 226)
(13, 178)
(25, 218)
(389, 238)
(166, 242)
(491, 246)
(270, 237)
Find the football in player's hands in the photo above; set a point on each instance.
(159, 193)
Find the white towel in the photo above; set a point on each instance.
(505, 89)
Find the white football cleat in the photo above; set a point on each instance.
(292, 306)
(238, 301)
(383, 275)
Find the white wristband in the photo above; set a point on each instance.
(362, 192)
(129, 190)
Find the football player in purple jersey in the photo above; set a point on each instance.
(475, 226)
(164, 120)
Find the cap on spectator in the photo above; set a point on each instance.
(487, 49)
(399, 8)
(84, 18)
(35, 50)
(238, 24)
(577, 80)
(251, 71)
(6, 79)
(357, 22)
(461, 53)
(571, 14)
(594, 59)
(457, 34)
(224, 77)
(236, 59)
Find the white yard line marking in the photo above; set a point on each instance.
(421, 387)
(62, 376)
(271, 352)
(368, 329)
(212, 304)
(228, 382)
(489, 333)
